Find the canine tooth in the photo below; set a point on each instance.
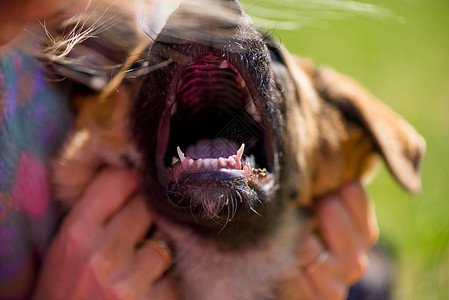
(240, 151)
(180, 154)
(174, 160)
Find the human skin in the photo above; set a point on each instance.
(347, 230)
(14, 15)
(98, 252)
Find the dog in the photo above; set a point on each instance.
(233, 138)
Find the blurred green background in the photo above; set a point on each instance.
(399, 50)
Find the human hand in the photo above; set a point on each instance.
(335, 258)
(98, 253)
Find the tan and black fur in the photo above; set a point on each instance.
(333, 132)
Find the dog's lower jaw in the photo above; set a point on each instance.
(203, 270)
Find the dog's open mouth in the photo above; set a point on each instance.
(205, 121)
(217, 153)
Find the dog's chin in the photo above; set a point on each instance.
(216, 196)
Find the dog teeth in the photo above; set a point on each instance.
(190, 163)
(199, 163)
(247, 170)
(180, 154)
(221, 162)
(214, 163)
(231, 162)
(174, 160)
(207, 164)
(240, 152)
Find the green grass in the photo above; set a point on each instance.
(406, 64)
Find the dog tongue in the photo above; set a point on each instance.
(215, 148)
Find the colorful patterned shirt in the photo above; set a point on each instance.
(34, 116)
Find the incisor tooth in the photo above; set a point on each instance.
(214, 163)
(231, 162)
(206, 163)
(221, 162)
(189, 163)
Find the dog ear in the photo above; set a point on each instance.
(396, 140)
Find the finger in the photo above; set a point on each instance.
(137, 278)
(319, 270)
(344, 242)
(361, 210)
(164, 289)
(326, 281)
(107, 193)
(309, 250)
(337, 228)
(153, 258)
(298, 287)
(131, 223)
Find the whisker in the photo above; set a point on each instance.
(145, 70)
(255, 211)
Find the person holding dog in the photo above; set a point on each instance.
(98, 251)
